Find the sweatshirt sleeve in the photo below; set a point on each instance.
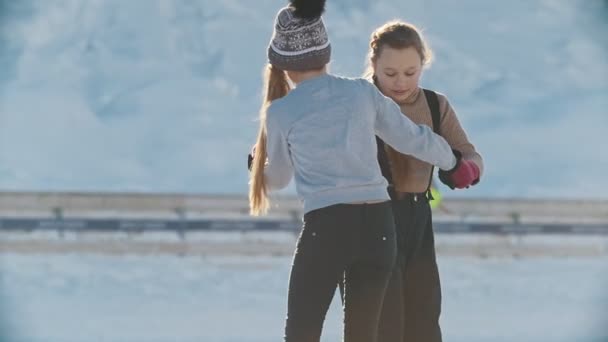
(455, 135)
(398, 131)
(279, 168)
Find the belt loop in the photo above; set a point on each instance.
(392, 193)
(429, 195)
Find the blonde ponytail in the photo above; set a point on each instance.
(277, 86)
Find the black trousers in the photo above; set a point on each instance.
(353, 244)
(412, 304)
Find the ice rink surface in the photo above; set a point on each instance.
(154, 298)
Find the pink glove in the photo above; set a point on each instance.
(463, 175)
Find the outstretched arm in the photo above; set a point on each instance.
(405, 136)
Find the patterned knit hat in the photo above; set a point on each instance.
(299, 41)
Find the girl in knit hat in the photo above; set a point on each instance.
(397, 56)
(322, 133)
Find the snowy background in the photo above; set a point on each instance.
(162, 95)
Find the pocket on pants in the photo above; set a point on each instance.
(380, 240)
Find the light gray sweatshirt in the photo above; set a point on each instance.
(323, 131)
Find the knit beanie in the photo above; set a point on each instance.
(299, 41)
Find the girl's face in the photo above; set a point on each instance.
(398, 72)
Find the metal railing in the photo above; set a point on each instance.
(183, 212)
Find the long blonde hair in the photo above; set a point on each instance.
(276, 86)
